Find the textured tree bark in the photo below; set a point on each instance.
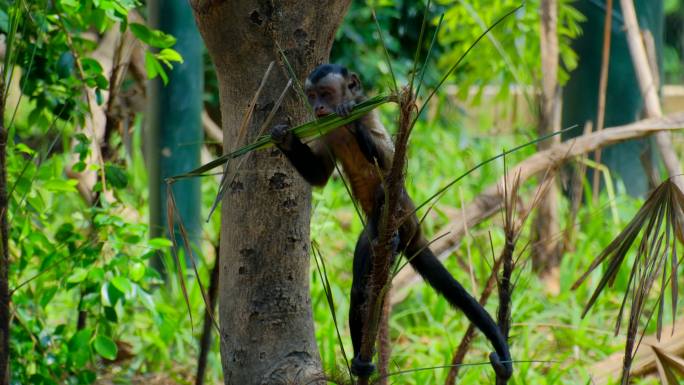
(267, 334)
(545, 250)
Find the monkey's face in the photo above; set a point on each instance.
(331, 91)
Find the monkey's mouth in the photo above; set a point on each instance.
(322, 114)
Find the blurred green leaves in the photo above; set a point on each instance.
(166, 55)
(73, 258)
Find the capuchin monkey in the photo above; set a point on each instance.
(365, 150)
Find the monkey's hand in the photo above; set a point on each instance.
(345, 108)
(282, 137)
(503, 370)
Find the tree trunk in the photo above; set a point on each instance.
(267, 334)
(545, 250)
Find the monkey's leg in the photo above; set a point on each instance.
(358, 302)
(363, 260)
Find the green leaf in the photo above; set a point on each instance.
(154, 68)
(23, 148)
(37, 118)
(65, 232)
(168, 55)
(65, 64)
(78, 166)
(140, 31)
(160, 243)
(101, 82)
(151, 37)
(61, 185)
(80, 340)
(162, 74)
(47, 294)
(37, 202)
(96, 274)
(114, 295)
(82, 138)
(79, 275)
(99, 20)
(73, 4)
(137, 271)
(105, 347)
(110, 314)
(87, 377)
(91, 66)
(98, 97)
(151, 65)
(122, 284)
(116, 176)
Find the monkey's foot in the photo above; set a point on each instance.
(362, 368)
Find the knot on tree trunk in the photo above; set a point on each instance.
(295, 368)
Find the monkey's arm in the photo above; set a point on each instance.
(315, 168)
(367, 145)
(359, 128)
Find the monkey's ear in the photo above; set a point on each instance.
(354, 83)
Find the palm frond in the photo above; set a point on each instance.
(656, 259)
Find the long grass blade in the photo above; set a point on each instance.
(327, 290)
(170, 219)
(307, 130)
(485, 162)
(460, 59)
(298, 85)
(429, 54)
(512, 68)
(189, 254)
(419, 45)
(384, 48)
(225, 181)
(247, 117)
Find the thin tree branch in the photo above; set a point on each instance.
(603, 85)
(649, 90)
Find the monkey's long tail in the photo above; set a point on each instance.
(434, 272)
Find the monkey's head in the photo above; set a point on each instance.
(330, 85)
